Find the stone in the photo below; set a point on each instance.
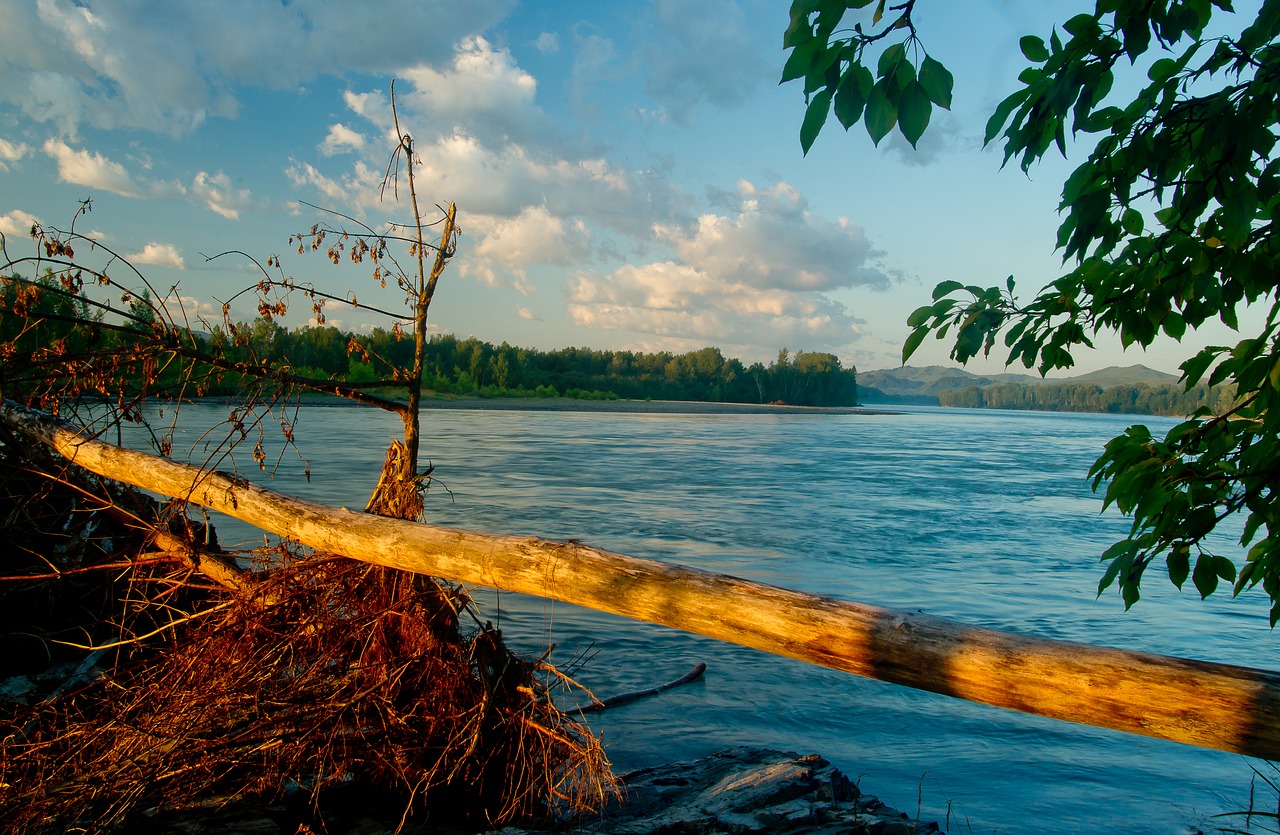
(743, 791)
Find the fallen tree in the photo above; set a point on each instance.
(1196, 702)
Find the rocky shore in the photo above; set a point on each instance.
(739, 791)
(746, 790)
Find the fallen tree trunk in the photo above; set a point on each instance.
(1195, 702)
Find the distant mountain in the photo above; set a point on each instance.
(1130, 375)
(921, 385)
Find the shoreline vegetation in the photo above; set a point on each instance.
(615, 406)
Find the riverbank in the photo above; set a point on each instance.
(656, 407)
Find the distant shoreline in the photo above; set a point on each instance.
(661, 407)
(569, 404)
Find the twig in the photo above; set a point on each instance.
(613, 701)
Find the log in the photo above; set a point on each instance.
(1195, 702)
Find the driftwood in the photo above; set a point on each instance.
(1196, 702)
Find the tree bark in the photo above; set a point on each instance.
(1195, 702)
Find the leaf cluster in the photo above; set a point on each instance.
(900, 89)
(1167, 226)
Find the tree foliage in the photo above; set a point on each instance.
(1139, 399)
(1167, 226)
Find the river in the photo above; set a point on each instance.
(980, 516)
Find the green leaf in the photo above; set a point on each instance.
(1082, 23)
(1179, 561)
(1001, 115)
(1162, 70)
(851, 95)
(1205, 576)
(1194, 368)
(799, 30)
(937, 82)
(1174, 325)
(913, 342)
(914, 110)
(889, 60)
(815, 116)
(1034, 49)
(919, 316)
(946, 288)
(882, 111)
(800, 59)
(1132, 222)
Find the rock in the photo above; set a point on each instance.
(746, 790)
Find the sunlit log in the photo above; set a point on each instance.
(1195, 702)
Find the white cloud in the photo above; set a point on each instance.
(114, 65)
(758, 276)
(340, 140)
(509, 245)
(527, 314)
(84, 168)
(356, 190)
(11, 153)
(482, 88)
(17, 224)
(678, 302)
(775, 242)
(189, 310)
(160, 255)
(216, 192)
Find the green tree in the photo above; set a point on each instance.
(1167, 225)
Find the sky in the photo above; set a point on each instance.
(628, 175)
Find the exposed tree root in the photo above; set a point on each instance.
(316, 676)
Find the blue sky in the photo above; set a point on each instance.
(628, 175)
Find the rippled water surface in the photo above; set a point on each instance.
(983, 517)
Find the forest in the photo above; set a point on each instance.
(1136, 399)
(473, 367)
(468, 367)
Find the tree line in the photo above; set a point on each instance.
(472, 366)
(450, 365)
(1135, 399)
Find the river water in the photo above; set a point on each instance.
(980, 516)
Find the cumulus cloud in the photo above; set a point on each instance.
(114, 65)
(759, 275)
(775, 242)
(11, 153)
(217, 193)
(85, 168)
(160, 255)
(340, 140)
(482, 88)
(357, 189)
(88, 168)
(509, 246)
(677, 301)
(189, 310)
(527, 314)
(17, 224)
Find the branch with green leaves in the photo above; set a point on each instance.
(836, 67)
(1167, 226)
